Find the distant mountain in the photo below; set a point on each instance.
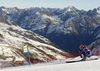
(95, 47)
(40, 48)
(68, 28)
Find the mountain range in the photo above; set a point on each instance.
(67, 28)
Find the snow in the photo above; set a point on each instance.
(6, 50)
(37, 13)
(27, 17)
(98, 15)
(56, 20)
(98, 11)
(55, 27)
(70, 8)
(9, 18)
(58, 28)
(98, 36)
(60, 65)
(13, 10)
(5, 10)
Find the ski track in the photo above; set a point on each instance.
(59, 65)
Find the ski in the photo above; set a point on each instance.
(82, 60)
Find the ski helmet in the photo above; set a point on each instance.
(81, 46)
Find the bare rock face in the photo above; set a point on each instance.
(95, 47)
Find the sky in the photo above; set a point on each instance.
(79, 4)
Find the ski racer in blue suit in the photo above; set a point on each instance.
(87, 51)
(84, 52)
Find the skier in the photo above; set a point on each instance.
(87, 51)
(84, 52)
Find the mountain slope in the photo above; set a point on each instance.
(11, 38)
(95, 47)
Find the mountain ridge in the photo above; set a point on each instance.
(68, 24)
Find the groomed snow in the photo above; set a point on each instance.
(60, 65)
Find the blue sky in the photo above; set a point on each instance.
(79, 4)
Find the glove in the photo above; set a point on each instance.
(78, 52)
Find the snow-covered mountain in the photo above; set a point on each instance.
(11, 38)
(67, 28)
(95, 47)
(37, 19)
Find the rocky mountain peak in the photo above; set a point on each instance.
(2, 7)
(70, 8)
(98, 8)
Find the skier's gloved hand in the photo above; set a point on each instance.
(78, 52)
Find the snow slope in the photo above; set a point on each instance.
(62, 66)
